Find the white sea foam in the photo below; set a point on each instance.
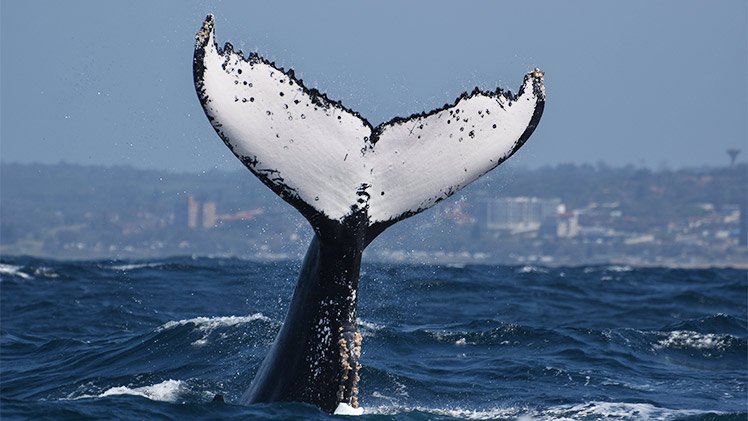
(135, 266)
(45, 272)
(646, 387)
(463, 342)
(207, 325)
(13, 270)
(585, 411)
(166, 391)
(210, 323)
(461, 413)
(532, 269)
(368, 328)
(681, 339)
(613, 411)
(610, 268)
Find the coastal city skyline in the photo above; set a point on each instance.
(632, 215)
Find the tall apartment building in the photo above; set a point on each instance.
(521, 213)
(193, 208)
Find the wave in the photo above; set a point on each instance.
(491, 332)
(27, 273)
(455, 265)
(681, 339)
(206, 325)
(608, 268)
(617, 411)
(719, 322)
(210, 323)
(533, 269)
(467, 414)
(45, 272)
(166, 391)
(134, 266)
(367, 328)
(12, 270)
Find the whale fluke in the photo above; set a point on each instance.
(351, 180)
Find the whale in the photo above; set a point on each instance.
(351, 180)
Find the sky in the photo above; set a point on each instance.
(661, 84)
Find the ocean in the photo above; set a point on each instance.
(157, 339)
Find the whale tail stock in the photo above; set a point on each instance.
(351, 180)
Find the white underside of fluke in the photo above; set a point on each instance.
(330, 158)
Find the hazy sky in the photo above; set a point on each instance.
(628, 82)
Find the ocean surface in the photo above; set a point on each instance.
(158, 339)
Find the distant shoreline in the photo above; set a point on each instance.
(566, 216)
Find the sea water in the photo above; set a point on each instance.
(158, 339)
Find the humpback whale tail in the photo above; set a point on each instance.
(351, 181)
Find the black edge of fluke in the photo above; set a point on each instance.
(538, 89)
(318, 97)
(322, 99)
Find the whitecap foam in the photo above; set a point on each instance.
(467, 414)
(614, 411)
(645, 387)
(532, 269)
(12, 270)
(680, 339)
(368, 328)
(609, 268)
(464, 342)
(134, 266)
(210, 323)
(207, 325)
(584, 411)
(166, 391)
(45, 272)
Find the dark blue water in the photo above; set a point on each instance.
(158, 339)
